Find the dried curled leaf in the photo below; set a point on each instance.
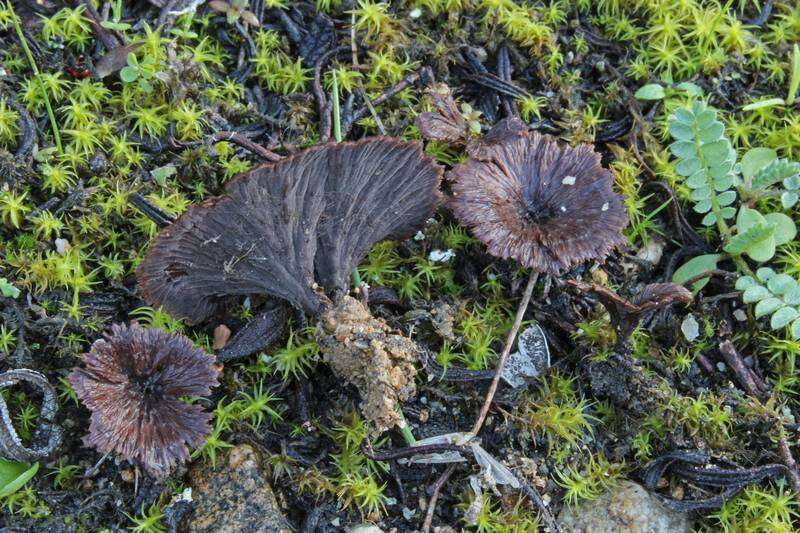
(626, 314)
(134, 383)
(318, 210)
(527, 198)
(445, 122)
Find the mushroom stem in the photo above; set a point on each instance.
(523, 306)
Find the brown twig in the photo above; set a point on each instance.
(707, 274)
(436, 488)
(523, 306)
(385, 95)
(110, 40)
(487, 403)
(247, 144)
(743, 374)
(324, 106)
(790, 463)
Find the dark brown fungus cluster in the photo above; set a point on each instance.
(626, 314)
(286, 228)
(527, 198)
(134, 381)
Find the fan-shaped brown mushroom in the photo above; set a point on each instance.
(294, 230)
(134, 381)
(527, 198)
(318, 211)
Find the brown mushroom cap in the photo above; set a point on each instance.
(527, 198)
(133, 382)
(319, 210)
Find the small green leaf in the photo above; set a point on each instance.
(785, 229)
(726, 198)
(723, 169)
(783, 317)
(762, 104)
(694, 267)
(651, 91)
(681, 131)
(792, 183)
(764, 274)
(746, 241)
(723, 183)
(795, 329)
(780, 284)
(788, 199)
(14, 475)
(710, 219)
(705, 117)
(755, 159)
(8, 289)
(132, 61)
(745, 282)
(748, 218)
(792, 296)
(702, 207)
(128, 74)
(762, 251)
(716, 152)
(698, 179)
(161, 174)
(684, 115)
(700, 194)
(711, 133)
(728, 212)
(682, 149)
(691, 88)
(687, 167)
(755, 294)
(768, 306)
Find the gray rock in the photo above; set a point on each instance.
(627, 508)
(235, 497)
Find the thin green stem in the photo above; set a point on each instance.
(35, 69)
(337, 119)
(357, 281)
(405, 430)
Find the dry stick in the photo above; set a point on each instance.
(707, 274)
(108, 40)
(360, 88)
(324, 106)
(435, 490)
(247, 144)
(390, 92)
(736, 364)
(523, 306)
(791, 464)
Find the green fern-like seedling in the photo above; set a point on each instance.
(762, 169)
(775, 295)
(758, 235)
(706, 159)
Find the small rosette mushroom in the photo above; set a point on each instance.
(527, 198)
(135, 382)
